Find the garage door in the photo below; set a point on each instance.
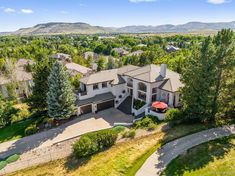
(86, 109)
(105, 105)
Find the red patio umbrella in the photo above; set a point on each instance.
(159, 105)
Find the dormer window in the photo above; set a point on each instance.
(95, 86)
(104, 85)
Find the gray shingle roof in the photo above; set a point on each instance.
(19, 73)
(108, 75)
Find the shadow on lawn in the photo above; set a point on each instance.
(199, 156)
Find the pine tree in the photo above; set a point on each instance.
(60, 97)
(223, 104)
(38, 99)
(198, 77)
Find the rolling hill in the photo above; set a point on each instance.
(84, 28)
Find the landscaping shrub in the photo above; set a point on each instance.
(12, 158)
(85, 147)
(173, 115)
(144, 123)
(94, 142)
(32, 129)
(152, 127)
(129, 134)
(119, 129)
(2, 164)
(138, 104)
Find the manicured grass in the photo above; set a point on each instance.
(124, 158)
(15, 131)
(215, 158)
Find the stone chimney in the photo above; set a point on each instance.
(163, 70)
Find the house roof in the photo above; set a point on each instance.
(96, 99)
(19, 73)
(151, 74)
(77, 68)
(108, 75)
(136, 53)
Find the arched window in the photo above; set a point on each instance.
(142, 87)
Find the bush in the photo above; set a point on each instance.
(144, 123)
(119, 129)
(12, 158)
(94, 142)
(173, 115)
(85, 147)
(2, 164)
(152, 127)
(129, 134)
(138, 104)
(32, 129)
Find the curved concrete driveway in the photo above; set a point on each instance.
(158, 161)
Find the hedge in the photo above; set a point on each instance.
(94, 142)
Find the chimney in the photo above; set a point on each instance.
(163, 70)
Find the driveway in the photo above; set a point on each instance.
(84, 124)
(158, 161)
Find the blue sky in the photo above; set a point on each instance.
(15, 14)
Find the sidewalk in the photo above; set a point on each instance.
(158, 161)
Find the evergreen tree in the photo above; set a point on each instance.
(60, 97)
(198, 77)
(38, 99)
(223, 104)
(209, 78)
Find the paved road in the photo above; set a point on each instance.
(158, 161)
(79, 126)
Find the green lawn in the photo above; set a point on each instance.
(215, 158)
(123, 159)
(15, 131)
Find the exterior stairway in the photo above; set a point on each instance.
(125, 106)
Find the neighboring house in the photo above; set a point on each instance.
(75, 69)
(110, 88)
(62, 57)
(91, 54)
(136, 53)
(120, 51)
(21, 77)
(171, 48)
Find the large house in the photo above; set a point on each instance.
(21, 77)
(113, 88)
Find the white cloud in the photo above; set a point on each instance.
(137, 1)
(9, 10)
(64, 12)
(26, 11)
(218, 1)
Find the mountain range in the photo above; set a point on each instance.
(84, 28)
